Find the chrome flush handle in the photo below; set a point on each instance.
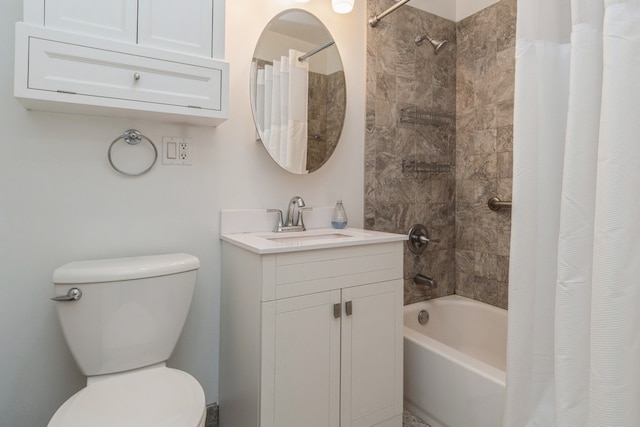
(74, 294)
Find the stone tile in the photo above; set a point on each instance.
(486, 290)
(410, 420)
(414, 293)
(482, 167)
(465, 237)
(465, 88)
(406, 54)
(505, 186)
(385, 87)
(505, 165)
(486, 116)
(504, 114)
(485, 240)
(504, 138)
(484, 141)
(485, 80)
(385, 113)
(465, 261)
(465, 285)
(505, 75)
(476, 36)
(503, 242)
(391, 217)
(506, 24)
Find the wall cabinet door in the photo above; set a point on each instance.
(184, 26)
(110, 19)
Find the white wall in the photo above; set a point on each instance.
(60, 201)
(451, 10)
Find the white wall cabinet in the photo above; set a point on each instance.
(186, 26)
(312, 338)
(132, 58)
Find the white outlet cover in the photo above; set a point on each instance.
(181, 150)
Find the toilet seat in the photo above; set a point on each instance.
(158, 397)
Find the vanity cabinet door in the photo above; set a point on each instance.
(372, 354)
(109, 19)
(301, 362)
(184, 26)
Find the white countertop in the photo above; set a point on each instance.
(318, 238)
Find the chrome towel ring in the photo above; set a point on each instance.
(132, 137)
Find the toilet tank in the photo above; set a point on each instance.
(131, 312)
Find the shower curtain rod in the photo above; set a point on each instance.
(316, 50)
(373, 21)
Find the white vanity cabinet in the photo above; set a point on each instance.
(312, 337)
(151, 59)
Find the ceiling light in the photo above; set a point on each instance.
(342, 6)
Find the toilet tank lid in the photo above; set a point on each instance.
(118, 269)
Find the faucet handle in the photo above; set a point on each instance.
(300, 219)
(278, 227)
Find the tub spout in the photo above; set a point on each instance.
(421, 279)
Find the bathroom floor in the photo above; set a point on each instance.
(410, 420)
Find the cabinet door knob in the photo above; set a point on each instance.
(136, 76)
(337, 310)
(348, 308)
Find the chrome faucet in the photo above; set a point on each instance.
(294, 221)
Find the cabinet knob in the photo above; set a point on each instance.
(136, 76)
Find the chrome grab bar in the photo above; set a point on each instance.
(74, 294)
(495, 204)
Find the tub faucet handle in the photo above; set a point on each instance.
(419, 239)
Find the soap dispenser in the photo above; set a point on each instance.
(339, 217)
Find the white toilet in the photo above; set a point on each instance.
(121, 330)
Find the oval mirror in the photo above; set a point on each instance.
(298, 91)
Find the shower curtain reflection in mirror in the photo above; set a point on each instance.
(281, 95)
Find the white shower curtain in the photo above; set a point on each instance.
(281, 110)
(574, 292)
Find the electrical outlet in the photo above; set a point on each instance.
(184, 152)
(176, 151)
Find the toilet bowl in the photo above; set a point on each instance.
(121, 330)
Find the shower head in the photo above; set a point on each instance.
(435, 44)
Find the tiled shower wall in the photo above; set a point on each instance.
(484, 151)
(439, 144)
(401, 75)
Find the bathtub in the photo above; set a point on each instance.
(454, 366)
